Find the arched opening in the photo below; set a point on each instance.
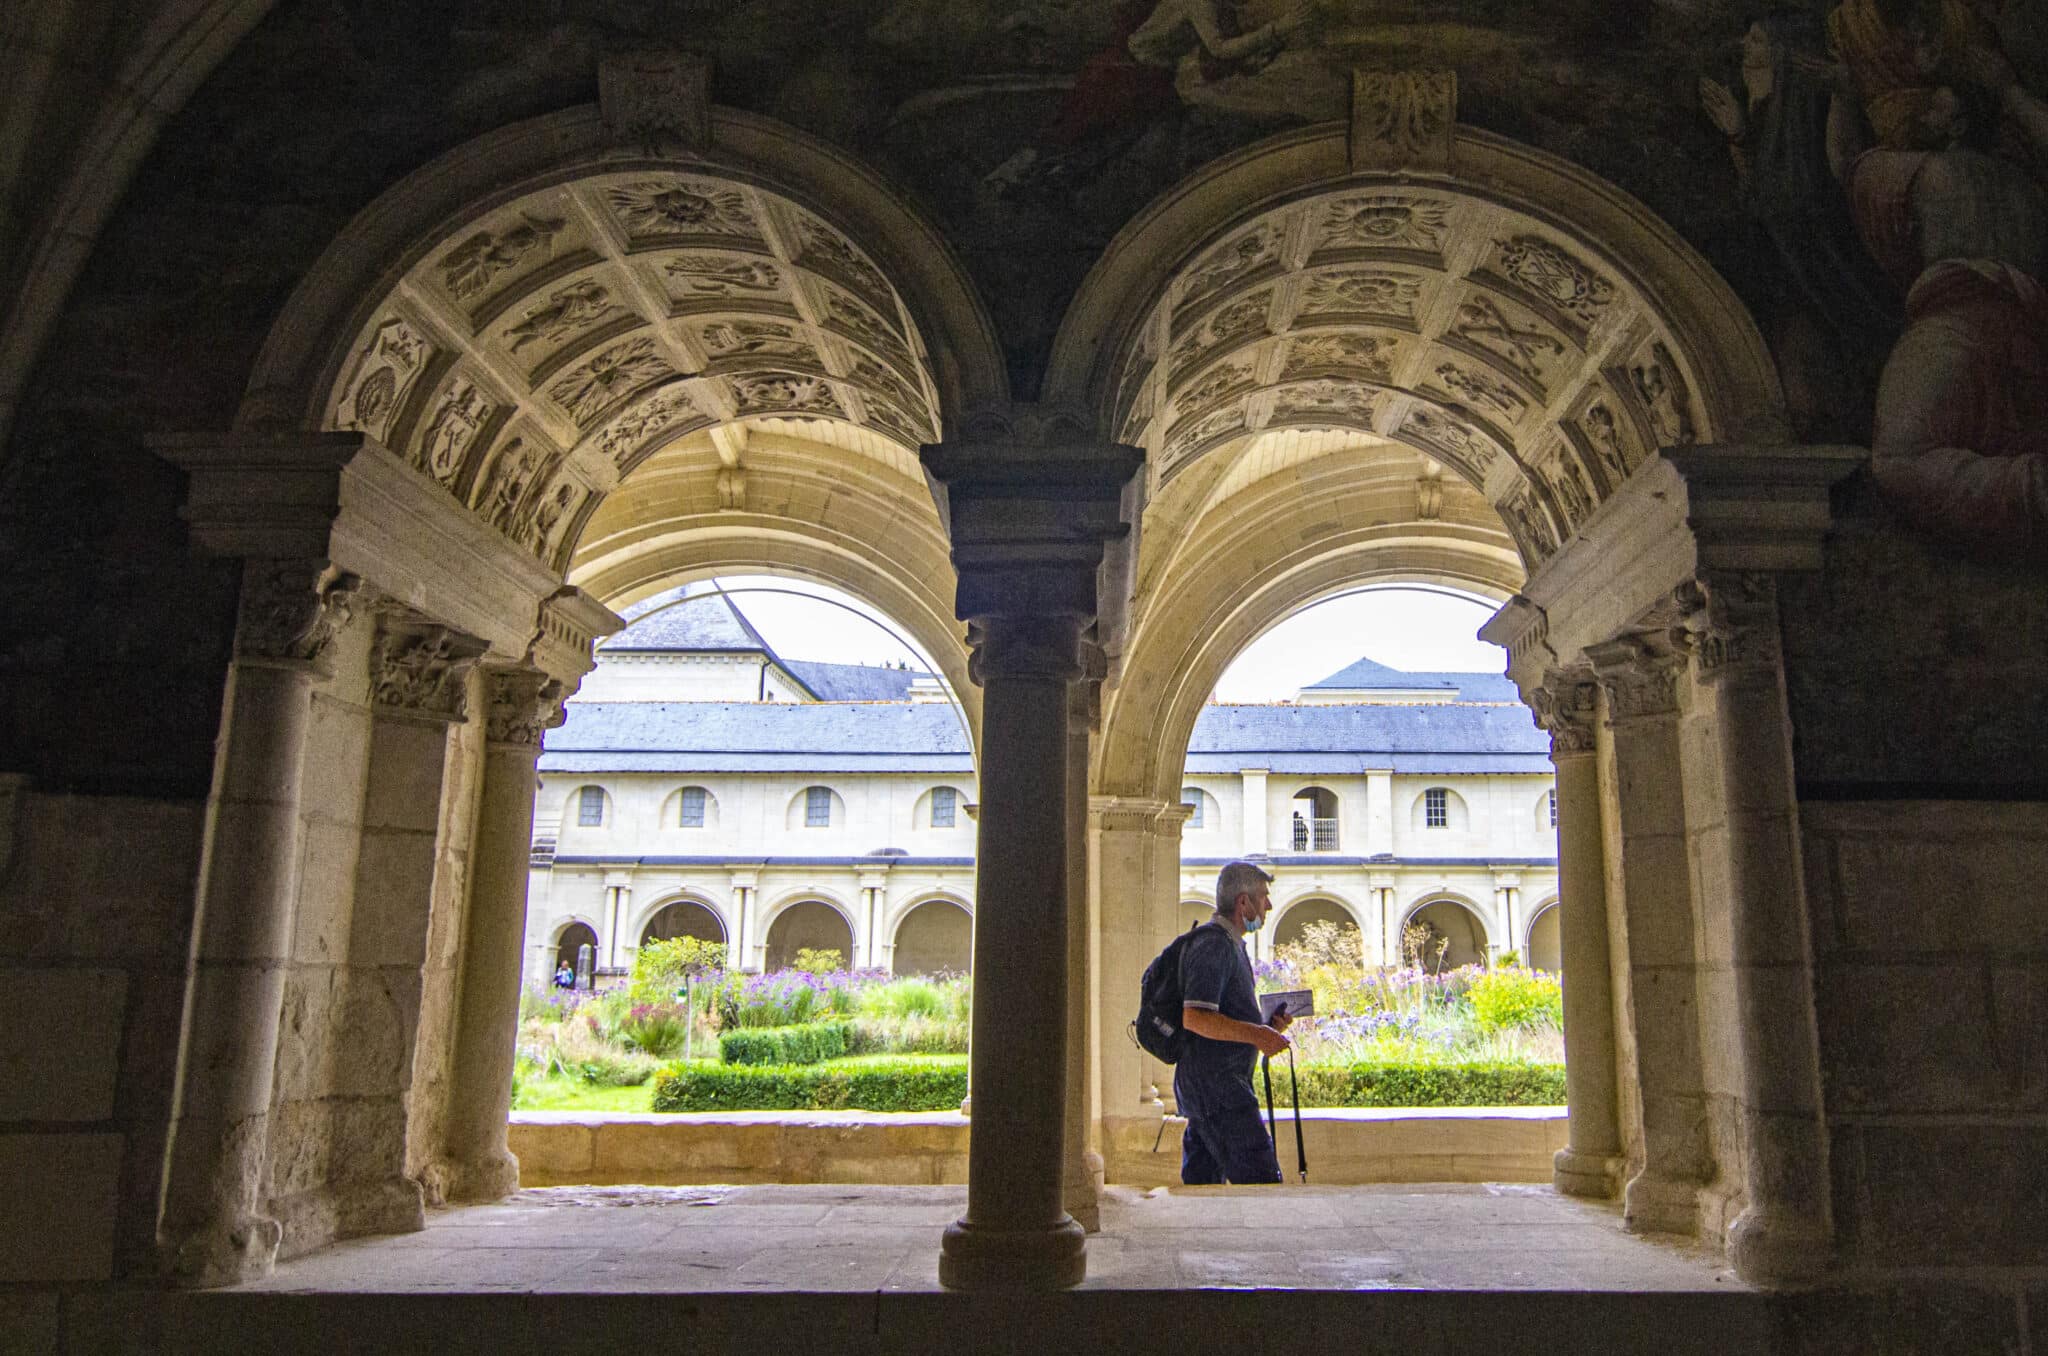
(1312, 823)
(683, 918)
(934, 938)
(1302, 913)
(810, 925)
(1546, 945)
(1443, 935)
(569, 950)
(1193, 912)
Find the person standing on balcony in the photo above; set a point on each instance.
(1226, 1141)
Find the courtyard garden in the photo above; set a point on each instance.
(685, 1034)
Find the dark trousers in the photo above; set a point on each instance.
(1226, 1138)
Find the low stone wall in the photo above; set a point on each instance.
(1345, 1147)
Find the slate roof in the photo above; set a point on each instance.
(706, 622)
(928, 737)
(1366, 675)
(851, 682)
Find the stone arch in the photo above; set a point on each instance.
(571, 934)
(934, 935)
(1313, 906)
(1542, 944)
(1457, 812)
(672, 806)
(1458, 920)
(1194, 909)
(685, 914)
(796, 814)
(807, 918)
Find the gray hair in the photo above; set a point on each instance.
(1238, 878)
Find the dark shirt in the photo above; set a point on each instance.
(1215, 973)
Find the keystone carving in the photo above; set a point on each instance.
(1403, 119)
(656, 99)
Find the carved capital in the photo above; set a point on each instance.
(422, 669)
(292, 609)
(520, 705)
(1025, 647)
(1567, 705)
(656, 99)
(1640, 675)
(1728, 623)
(1403, 120)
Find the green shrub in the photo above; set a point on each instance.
(660, 967)
(657, 1028)
(932, 1084)
(1421, 1085)
(907, 1036)
(811, 1043)
(814, 961)
(1506, 999)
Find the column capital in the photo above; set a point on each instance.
(520, 705)
(1567, 705)
(420, 668)
(1640, 673)
(292, 609)
(1728, 622)
(1029, 497)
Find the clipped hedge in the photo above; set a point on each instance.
(810, 1043)
(934, 1083)
(1422, 1085)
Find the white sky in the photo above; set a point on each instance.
(1402, 627)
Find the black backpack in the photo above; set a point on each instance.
(1157, 1028)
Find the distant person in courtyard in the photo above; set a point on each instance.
(565, 978)
(1226, 1141)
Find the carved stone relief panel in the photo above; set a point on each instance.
(1509, 340)
(1481, 392)
(825, 251)
(742, 343)
(1222, 380)
(422, 670)
(1327, 403)
(487, 258)
(452, 427)
(681, 209)
(1204, 433)
(1231, 326)
(1379, 295)
(381, 376)
(519, 462)
(1362, 357)
(563, 314)
(601, 382)
(1450, 439)
(1252, 256)
(864, 325)
(899, 423)
(542, 522)
(1657, 396)
(1608, 446)
(703, 280)
(1397, 224)
(1566, 482)
(876, 380)
(786, 393)
(1557, 284)
(1528, 524)
(636, 432)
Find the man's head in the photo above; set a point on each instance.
(1241, 895)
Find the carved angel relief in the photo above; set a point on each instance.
(1602, 432)
(568, 312)
(538, 526)
(1666, 398)
(502, 487)
(469, 268)
(594, 386)
(1526, 520)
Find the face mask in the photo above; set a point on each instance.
(1253, 924)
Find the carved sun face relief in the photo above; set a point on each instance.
(1469, 330)
(547, 348)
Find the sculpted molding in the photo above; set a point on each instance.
(422, 669)
(293, 609)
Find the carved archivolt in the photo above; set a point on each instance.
(544, 351)
(1427, 315)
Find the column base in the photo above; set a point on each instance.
(223, 1251)
(1653, 1205)
(978, 1258)
(477, 1181)
(1778, 1249)
(1594, 1176)
(1082, 1194)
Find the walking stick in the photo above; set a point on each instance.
(1294, 1085)
(1266, 1067)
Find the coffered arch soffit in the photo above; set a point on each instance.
(531, 317)
(1522, 323)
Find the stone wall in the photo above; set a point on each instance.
(96, 901)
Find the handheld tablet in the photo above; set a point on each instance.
(1296, 1002)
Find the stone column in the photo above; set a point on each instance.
(1591, 1163)
(1784, 1233)
(419, 686)
(520, 704)
(1028, 499)
(743, 894)
(213, 1230)
(1131, 891)
(1082, 1190)
(1641, 680)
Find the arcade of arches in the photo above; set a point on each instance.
(571, 362)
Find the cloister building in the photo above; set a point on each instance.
(362, 365)
(826, 808)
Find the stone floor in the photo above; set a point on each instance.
(886, 1239)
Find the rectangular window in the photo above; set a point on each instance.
(1190, 796)
(817, 808)
(590, 806)
(1436, 808)
(1553, 807)
(945, 801)
(693, 807)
